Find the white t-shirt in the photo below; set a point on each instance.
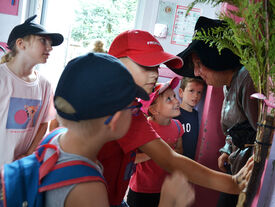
(23, 107)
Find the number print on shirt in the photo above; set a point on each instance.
(186, 127)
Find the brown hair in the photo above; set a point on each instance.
(186, 80)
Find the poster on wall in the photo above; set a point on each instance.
(180, 27)
(183, 27)
(9, 7)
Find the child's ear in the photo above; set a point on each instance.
(114, 121)
(20, 43)
(152, 109)
(180, 92)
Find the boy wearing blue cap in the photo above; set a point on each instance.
(94, 100)
(87, 95)
(26, 96)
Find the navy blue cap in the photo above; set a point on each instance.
(30, 28)
(96, 85)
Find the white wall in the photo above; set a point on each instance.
(147, 16)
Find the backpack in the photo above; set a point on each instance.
(24, 181)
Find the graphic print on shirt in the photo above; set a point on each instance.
(22, 113)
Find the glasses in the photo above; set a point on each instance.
(134, 109)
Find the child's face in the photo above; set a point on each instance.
(191, 95)
(166, 105)
(38, 48)
(145, 77)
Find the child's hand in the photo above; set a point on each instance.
(243, 176)
(176, 192)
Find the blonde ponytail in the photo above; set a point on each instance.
(7, 57)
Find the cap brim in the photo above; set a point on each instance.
(172, 84)
(56, 38)
(141, 93)
(153, 59)
(147, 103)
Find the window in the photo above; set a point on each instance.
(81, 23)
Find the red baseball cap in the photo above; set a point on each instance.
(141, 47)
(159, 89)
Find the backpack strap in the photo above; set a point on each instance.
(68, 173)
(178, 126)
(47, 139)
(47, 165)
(52, 176)
(40, 151)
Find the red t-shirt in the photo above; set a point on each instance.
(148, 177)
(117, 157)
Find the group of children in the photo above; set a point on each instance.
(97, 99)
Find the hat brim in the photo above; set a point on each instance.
(141, 93)
(186, 70)
(153, 59)
(56, 38)
(147, 103)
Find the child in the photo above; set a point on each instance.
(190, 92)
(145, 183)
(142, 54)
(25, 103)
(95, 104)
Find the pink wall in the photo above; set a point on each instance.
(9, 7)
(211, 139)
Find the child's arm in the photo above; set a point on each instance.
(176, 192)
(39, 135)
(178, 147)
(198, 174)
(90, 194)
